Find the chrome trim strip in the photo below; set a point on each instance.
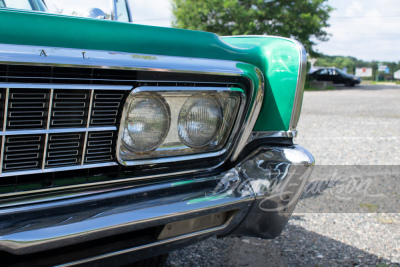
(70, 57)
(70, 194)
(268, 134)
(46, 140)
(161, 89)
(64, 86)
(49, 110)
(6, 109)
(4, 128)
(60, 130)
(301, 78)
(252, 117)
(69, 168)
(147, 246)
(89, 115)
(2, 154)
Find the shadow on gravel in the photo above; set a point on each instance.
(295, 247)
(366, 87)
(300, 247)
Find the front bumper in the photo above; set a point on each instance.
(259, 194)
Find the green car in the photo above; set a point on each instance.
(122, 142)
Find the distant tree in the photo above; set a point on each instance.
(298, 19)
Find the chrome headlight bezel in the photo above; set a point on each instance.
(190, 90)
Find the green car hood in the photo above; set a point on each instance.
(277, 58)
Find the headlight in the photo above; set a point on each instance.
(162, 123)
(147, 123)
(199, 120)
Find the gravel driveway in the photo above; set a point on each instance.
(346, 126)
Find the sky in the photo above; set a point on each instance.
(365, 29)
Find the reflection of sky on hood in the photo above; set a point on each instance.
(366, 29)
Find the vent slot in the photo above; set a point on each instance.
(27, 109)
(23, 152)
(99, 147)
(64, 149)
(70, 108)
(2, 101)
(105, 108)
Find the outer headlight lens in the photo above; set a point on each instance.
(147, 123)
(199, 120)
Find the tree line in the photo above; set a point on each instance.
(351, 63)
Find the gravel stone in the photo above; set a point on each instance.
(346, 126)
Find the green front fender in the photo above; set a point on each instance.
(282, 61)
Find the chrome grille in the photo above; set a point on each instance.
(48, 129)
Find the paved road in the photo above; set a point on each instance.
(346, 126)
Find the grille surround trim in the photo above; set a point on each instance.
(58, 57)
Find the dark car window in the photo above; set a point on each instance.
(341, 72)
(323, 72)
(334, 72)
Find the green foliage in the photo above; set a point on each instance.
(296, 19)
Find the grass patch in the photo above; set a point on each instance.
(308, 87)
(368, 206)
(385, 219)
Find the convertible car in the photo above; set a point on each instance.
(122, 142)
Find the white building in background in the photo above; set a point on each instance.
(396, 74)
(364, 72)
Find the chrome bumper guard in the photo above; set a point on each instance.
(260, 193)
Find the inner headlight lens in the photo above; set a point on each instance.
(199, 120)
(147, 123)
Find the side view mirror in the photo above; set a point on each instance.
(96, 13)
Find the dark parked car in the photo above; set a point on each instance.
(334, 75)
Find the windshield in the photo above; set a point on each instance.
(341, 72)
(35, 5)
(82, 8)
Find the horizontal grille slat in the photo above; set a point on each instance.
(27, 109)
(71, 146)
(105, 107)
(70, 108)
(23, 152)
(99, 147)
